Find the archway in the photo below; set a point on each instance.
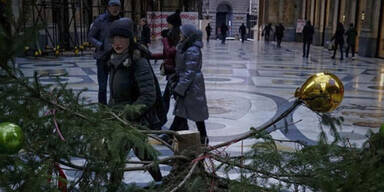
(223, 16)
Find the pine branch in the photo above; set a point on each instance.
(153, 163)
(186, 177)
(258, 130)
(268, 174)
(161, 141)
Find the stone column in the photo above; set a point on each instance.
(370, 29)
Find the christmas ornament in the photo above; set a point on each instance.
(322, 92)
(11, 138)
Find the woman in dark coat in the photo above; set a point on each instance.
(191, 101)
(133, 84)
(339, 40)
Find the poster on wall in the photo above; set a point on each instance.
(300, 25)
(157, 21)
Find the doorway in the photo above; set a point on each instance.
(223, 16)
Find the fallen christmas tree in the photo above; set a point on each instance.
(59, 125)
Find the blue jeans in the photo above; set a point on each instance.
(102, 79)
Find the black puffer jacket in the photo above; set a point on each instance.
(133, 82)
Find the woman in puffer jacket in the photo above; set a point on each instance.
(189, 91)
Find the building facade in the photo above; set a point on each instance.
(232, 13)
(66, 22)
(366, 15)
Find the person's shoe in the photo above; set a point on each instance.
(341, 59)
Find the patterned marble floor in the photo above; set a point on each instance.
(250, 84)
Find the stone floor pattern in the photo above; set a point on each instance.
(250, 84)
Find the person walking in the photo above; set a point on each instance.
(279, 34)
(99, 37)
(224, 30)
(145, 38)
(191, 101)
(170, 40)
(243, 32)
(338, 37)
(208, 29)
(351, 40)
(133, 84)
(267, 32)
(308, 32)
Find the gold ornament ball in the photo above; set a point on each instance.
(322, 92)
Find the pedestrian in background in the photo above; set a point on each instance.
(338, 37)
(208, 29)
(243, 32)
(279, 34)
(224, 30)
(99, 37)
(308, 32)
(351, 40)
(267, 32)
(145, 38)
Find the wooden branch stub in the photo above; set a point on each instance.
(187, 142)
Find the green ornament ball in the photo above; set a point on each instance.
(11, 138)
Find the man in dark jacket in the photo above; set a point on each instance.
(308, 32)
(279, 34)
(145, 32)
(267, 32)
(351, 40)
(208, 29)
(133, 86)
(339, 40)
(243, 32)
(98, 36)
(224, 30)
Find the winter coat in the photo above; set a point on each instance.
(99, 34)
(191, 102)
(169, 54)
(146, 35)
(224, 30)
(351, 36)
(279, 31)
(208, 29)
(339, 36)
(242, 30)
(133, 82)
(308, 32)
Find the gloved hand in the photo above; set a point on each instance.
(133, 112)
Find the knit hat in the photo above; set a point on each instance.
(114, 2)
(175, 19)
(122, 27)
(188, 30)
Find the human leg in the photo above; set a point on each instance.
(179, 124)
(102, 79)
(203, 132)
